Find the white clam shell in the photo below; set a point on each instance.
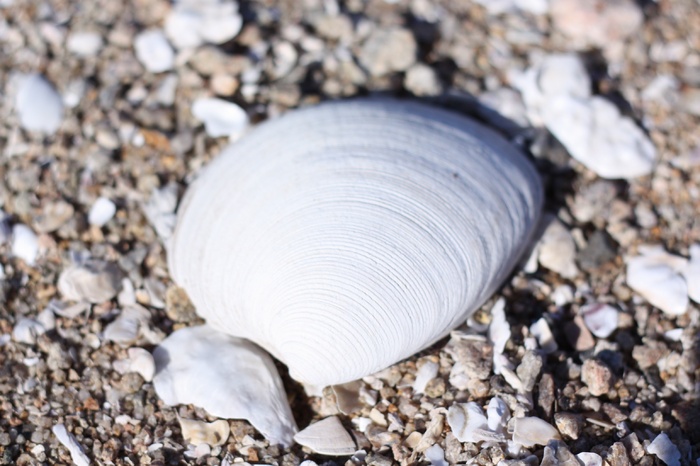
(345, 237)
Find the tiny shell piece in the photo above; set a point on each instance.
(124, 330)
(531, 431)
(499, 330)
(327, 437)
(229, 377)
(25, 243)
(665, 450)
(153, 51)
(39, 105)
(540, 330)
(601, 319)
(469, 424)
(692, 273)
(498, 414)
(436, 456)
(26, 330)
(656, 275)
(139, 361)
(67, 440)
(211, 433)
(220, 117)
(425, 373)
(94, 281)
(590, 459)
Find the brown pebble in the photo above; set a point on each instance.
(597, 376)
(178, 306)
(569, 424)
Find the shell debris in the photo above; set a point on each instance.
(211, 433)
(93, 280)
(68, 440)
(327, 437)
(531, 431)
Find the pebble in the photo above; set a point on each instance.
(94, 281)
(597, 376)
(657, 276)
(422, 80)
(25, 244)
(178, 306)
(599, 251)
(498, 415)
(578, 335)
(570, 425)
(154, 51)
(192, 23)
(590, 459)
(497, 7)
(596, 22)
(327, 437)
(541, 331)
(557, 250)
(101, 212)
(53, 215)
(665, 450)
(223, 84)
(692, 273)
(38, 105)
(26, 331)
(139, 361)
(426, 372)
(601, 319)
(125, 329)
(160, 210)
(388, 50)
(593, 201)
(436, 456)
(67, 440)
(84, 43)
(220, 117)
(531, 431)
(211, 433)
(529, 370)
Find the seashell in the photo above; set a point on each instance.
(327, 437)
(345, 237)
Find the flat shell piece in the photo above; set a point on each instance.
(94, 281)
(38, 105)
(199, 432)
(656, 275)
(531, 431)
(327, 437)
(229, 377)
(139, 361)
(469, 424)
(601, 319)
(67, 440)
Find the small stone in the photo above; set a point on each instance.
(692, 273)
(125, 329)
(25, 244)
(334, 27)
(436, 456)
(154, 51)
(691, 101)
(531, 431)
(39, 105)
(593, 201)
(223, 84)
(27, 330)
(220, 117)
(427, 371)
(529, 370)
(599, 251)
(570, 425)
(617, 455)
(84, 43)
(101, 212)
(557, 250)
(435, 388)
(657, 276)
(634, 447)
(601, 319)
(211, 433)
(597, 376)
(422, 80)
(53, 216)
(178, 306)
(590, 459)
(541, 331)
(388, 50)
(596, 22)
(578, 334)
(192, 23)
(650, 353)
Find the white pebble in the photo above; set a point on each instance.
(665, 450)
(531, 431)
(557, 250)
(67, 440)
(154, 51)
(39, 105)
(436, 456)
(220, 118)
(192, 23)
(589, 459)
(25, 243)
(469, 424)
(656, 276)
(101, 212)
(27, 330)
(601, 319)
(94, 281)
(692, 273)
(425, 373)
(84, 43)
(540, 330)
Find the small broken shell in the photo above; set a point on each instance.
(531, 431)
(327, 437)
(211, 433)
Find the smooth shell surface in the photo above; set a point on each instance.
(345, 237)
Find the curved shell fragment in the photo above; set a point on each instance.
(327, 437)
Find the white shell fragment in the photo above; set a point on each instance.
(346, 236)
(228, 377)
(426, 372)
(327, 437)
(26, 330)
(557, 250)
(94, 281)
(541, 331)
(124, 330)
(220, 117)
(39, 105)
(665, 450)
(101, 212)
(498, 414)
(153, 51)
(211, 433)
(25, 244)
(84, 43)
(469, 424)
(601, 319)
(499, 331)
(160, 210)
(556, 92)
(657, 276)
(531, 431)
(139, 361)
(436, 456)
(67, 440)
(692, 273)
(589, 459)
(194, 22)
